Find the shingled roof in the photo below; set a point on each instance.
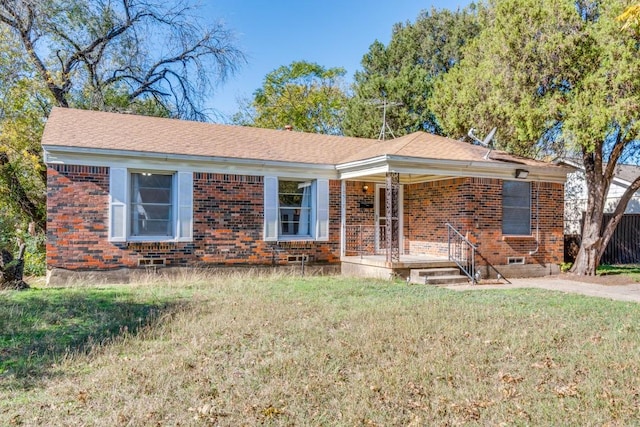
(127, 132)
(94, 130)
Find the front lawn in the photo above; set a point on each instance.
(256, 350)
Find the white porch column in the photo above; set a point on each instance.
(343, 217)
(392, 217)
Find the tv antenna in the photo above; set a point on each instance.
(487, 142)
(385, 126)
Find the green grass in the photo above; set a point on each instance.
(255, 350)
(40, 326)
(632, 271)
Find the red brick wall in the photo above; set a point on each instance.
(360, 221)
(474, 207)
(228, 225)
(228, 222)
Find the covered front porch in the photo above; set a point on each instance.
(425, 202)
(383, 235)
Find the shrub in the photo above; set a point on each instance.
(35, 263)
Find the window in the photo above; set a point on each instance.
(296, 209)
(516, 208)
(294, 202)
(150, 205)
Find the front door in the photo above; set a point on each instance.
(381, 218)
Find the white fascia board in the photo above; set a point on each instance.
(450, 168)
(225, 165)
(366, 172)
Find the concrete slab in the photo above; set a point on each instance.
(629, 292)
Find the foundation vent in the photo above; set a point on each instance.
(297, 258)
(515, 260)
(152, 262)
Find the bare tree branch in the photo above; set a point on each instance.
(97, 58)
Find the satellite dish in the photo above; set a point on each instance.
(486, 142)
(489, 137)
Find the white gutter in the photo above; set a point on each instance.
(138, 159)
(443, 167)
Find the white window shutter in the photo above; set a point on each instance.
(118, 190)
(185, 207)
(270, 208)
(322, 210)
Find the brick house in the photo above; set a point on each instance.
(126, 192)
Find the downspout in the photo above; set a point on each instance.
(533, 252)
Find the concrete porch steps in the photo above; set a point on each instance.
(437, 276)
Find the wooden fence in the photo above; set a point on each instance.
(624, 246)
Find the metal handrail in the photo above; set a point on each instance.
(361, 239)
(462, 252)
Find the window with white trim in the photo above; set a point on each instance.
(296, 209)
(294, 204)
(516, 208)
(151, 202)
(150, 205)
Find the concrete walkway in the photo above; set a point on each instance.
(629, 292)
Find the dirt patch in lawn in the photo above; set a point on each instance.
(601, 279)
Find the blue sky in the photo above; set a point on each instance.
(332, 33)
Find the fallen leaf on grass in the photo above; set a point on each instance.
(510, 379)
(82, 397)
(510, 393)
(271, 412)
(569, 390)
(595, 339)
(546, 363)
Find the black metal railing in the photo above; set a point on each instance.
(462, 252)
(363, 240)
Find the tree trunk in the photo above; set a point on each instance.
(588, 259)
(11, 270)
(19, 194)
(592, 246)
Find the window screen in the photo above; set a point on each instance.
(516, 208)
(151, 204)
(294, 200)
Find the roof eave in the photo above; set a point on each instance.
(449, 168)
(137, 159)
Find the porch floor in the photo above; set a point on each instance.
(376, 266)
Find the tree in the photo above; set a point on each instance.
(304, 95)
(631, 18)
(84, 49)
(23, 108)
(557, 78)
(402, 73)
(116, 55)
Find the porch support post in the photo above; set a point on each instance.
(343, 218)
(392, 226)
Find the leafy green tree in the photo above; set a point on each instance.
(403, 73)
(303, 95)
(631, 18)
(144, 56)
(556, 78)
(23, 108)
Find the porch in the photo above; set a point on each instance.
(408, 267)
(366, 254)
